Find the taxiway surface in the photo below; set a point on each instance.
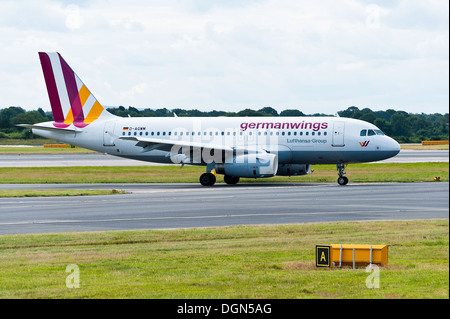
(158, 206)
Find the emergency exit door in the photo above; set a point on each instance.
(108, 134)
(338, 134)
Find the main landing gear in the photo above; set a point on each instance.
(209, 179)
(342, 180)
(231, 180)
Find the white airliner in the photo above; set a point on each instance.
(233, 146)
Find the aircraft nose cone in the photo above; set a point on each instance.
(396, 147)
(393, 148)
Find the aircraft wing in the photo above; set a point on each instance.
(150, 144)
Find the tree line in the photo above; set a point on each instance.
(402, 126)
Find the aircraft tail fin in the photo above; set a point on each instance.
(70, 99)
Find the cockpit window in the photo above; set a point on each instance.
(370, 132)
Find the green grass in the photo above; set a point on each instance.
(226, 262)
(55, 192)
(43, 150)
(357, 173)
(29, 141)
(424, 147)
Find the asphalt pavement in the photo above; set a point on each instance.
(161, 206)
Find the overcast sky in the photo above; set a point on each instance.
(315, 56)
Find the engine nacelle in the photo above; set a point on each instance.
(250, 165)
(293, 169)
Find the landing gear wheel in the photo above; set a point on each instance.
(207, 179)
(342, 180)
(231, 180)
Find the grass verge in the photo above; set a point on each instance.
(421, 147)
(386, 172)
(227, 262)
(43, 150)
(30, 141)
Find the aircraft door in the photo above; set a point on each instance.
(338, 134)
(108, 134)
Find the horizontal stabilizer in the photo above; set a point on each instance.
(49, 128)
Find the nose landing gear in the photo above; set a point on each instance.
(342, 180)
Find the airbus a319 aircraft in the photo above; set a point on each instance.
(252, 147)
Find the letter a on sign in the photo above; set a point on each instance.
(322, 256)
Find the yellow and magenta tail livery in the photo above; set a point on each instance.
(70, 99)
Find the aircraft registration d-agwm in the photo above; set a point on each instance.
(252, 147)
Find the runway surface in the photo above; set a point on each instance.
(157, 206)
(96, 159)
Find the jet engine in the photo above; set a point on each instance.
(293, 169)
(250, 165)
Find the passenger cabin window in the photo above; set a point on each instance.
(363, 132)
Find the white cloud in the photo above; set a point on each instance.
(74, 20)
(319, 57)
(135, 90)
